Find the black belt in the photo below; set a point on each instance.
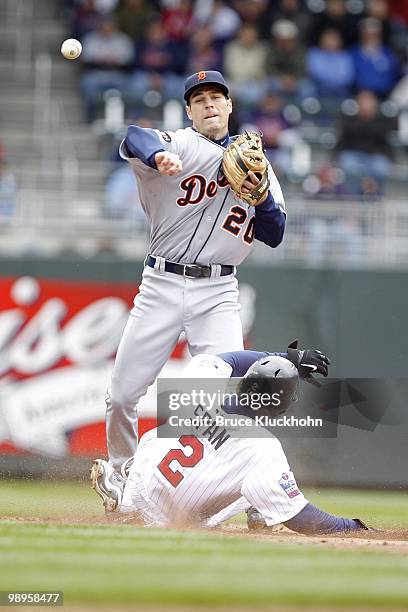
(189, 270)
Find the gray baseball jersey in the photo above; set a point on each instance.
(195, 216)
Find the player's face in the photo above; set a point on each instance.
(209, 110)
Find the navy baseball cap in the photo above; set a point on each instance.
(204, 77)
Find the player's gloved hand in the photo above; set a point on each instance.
(168, 163)
(308, 362)
(249, 184)
(255, 520)
(364, 526)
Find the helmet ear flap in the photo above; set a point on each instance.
(288, 392)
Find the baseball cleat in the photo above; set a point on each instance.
(125, 467)
(108, 484)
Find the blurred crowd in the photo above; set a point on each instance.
(338, 65)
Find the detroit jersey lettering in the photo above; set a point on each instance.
(195, 217)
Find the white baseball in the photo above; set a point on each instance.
(25, 291)
(71, 48)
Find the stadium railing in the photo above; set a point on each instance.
(339, 232)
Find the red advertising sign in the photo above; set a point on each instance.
(58, 340)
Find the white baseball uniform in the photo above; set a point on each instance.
(195, 219)
(207, 478)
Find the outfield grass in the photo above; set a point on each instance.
(124, 564)
(42, 498)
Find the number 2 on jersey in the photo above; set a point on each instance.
(234, 221)
(176, 454)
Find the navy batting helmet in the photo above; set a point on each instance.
(275, 377)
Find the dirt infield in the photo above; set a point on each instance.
(396, 540)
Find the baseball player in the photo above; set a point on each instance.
(200, 231)
(205, 478)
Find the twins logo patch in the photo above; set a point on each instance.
(288, 484)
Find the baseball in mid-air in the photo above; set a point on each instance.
(71, 48)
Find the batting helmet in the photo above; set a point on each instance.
(275, 377)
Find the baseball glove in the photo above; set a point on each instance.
(241, 156)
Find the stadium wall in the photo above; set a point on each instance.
(357, 317)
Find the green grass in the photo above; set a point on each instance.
(41, 498)
(124, 564)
